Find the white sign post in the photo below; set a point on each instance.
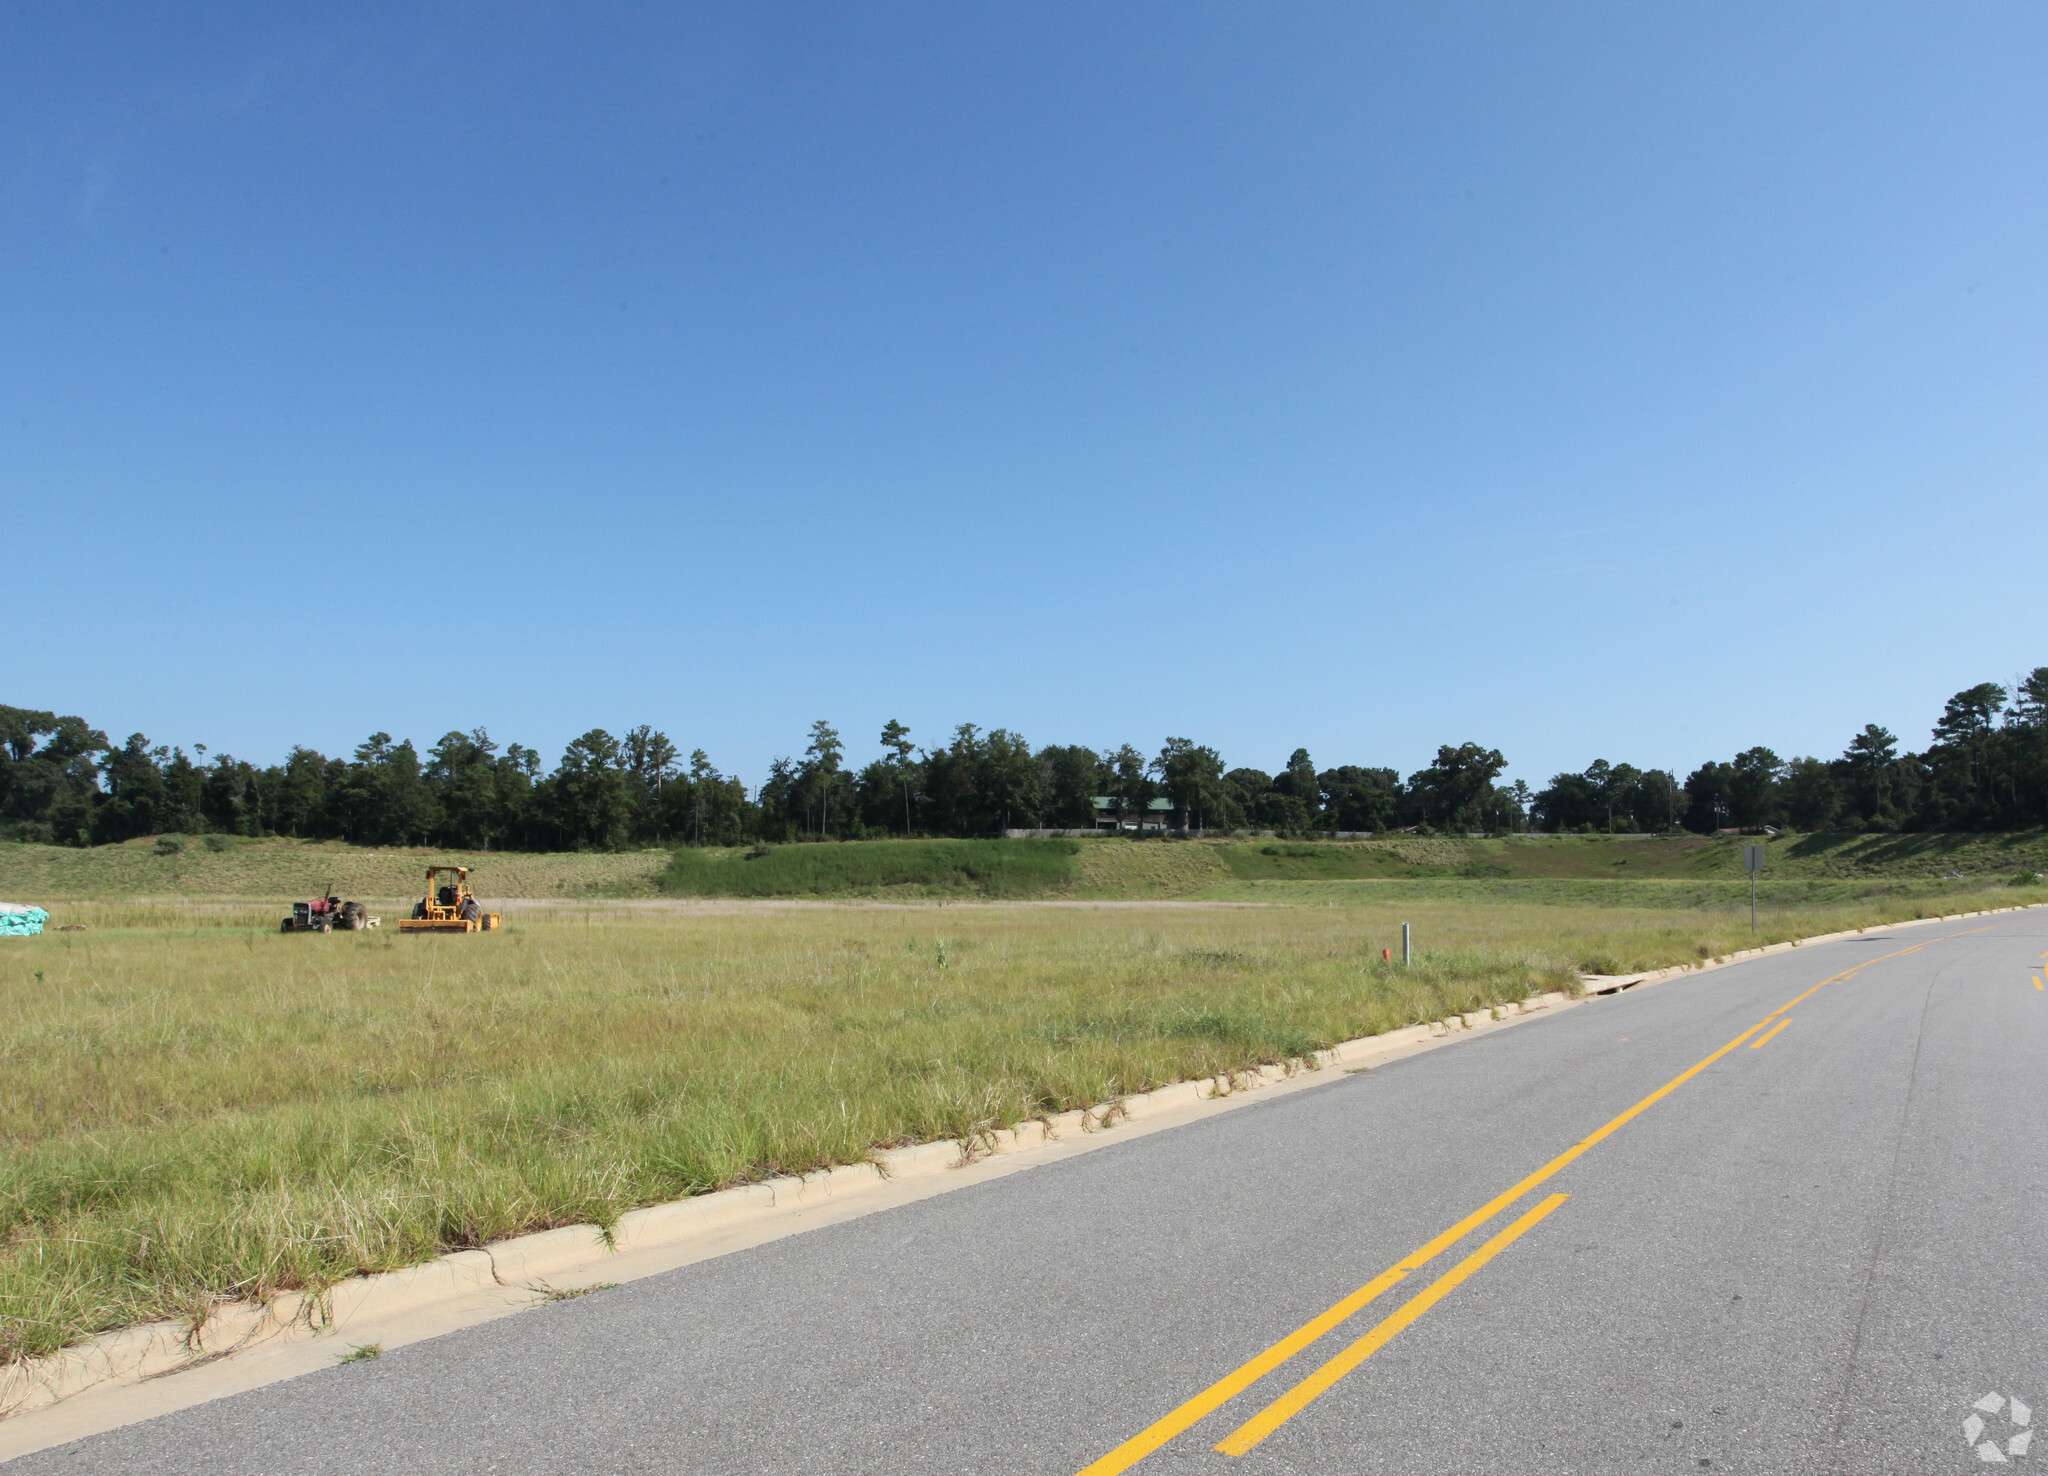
(1752, 862)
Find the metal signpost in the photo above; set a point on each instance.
(1752, 862)
(1407, 951)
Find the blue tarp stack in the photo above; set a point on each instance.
(17, 921)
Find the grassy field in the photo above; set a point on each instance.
(199, 1108)
(1619, 937)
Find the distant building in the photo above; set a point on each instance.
(1155, 816)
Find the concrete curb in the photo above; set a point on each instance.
(119, 1378)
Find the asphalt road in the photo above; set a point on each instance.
(1813, 1254)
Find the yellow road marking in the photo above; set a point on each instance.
(1765, 1039)
(1227, 1388)
(1231, 1385)
(1295, 1400)
(2037, 982)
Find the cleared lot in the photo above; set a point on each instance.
(201, 1108)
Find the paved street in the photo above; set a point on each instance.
(1813, 1254)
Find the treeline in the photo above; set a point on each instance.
(1984, 768)
(62, 781)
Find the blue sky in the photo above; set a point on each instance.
(1638, 382)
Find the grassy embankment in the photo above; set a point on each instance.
(1686, 871)
(952, 870)
(1673, 858)
(282, 870)
(923, 868)
(202, 1108)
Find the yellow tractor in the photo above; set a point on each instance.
(449, 906)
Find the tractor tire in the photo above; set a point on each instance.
(285, 926)
(326, 926)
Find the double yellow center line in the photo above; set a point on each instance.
(1297, 1399)
(1266, 1421)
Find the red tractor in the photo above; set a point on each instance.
(325, 914)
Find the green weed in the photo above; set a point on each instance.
(571, 1293)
